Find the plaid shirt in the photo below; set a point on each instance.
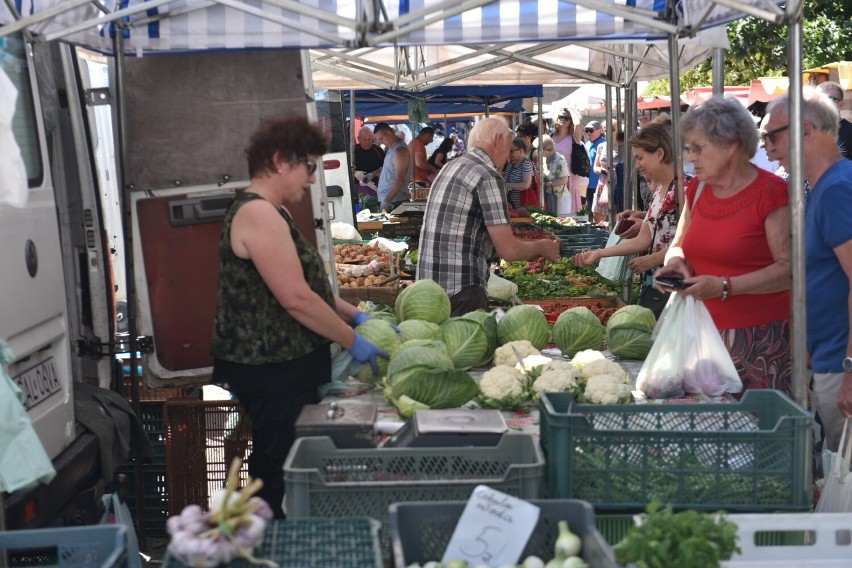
(455, 247)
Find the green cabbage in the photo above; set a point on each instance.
(381, 334)
(418, 329)
(524, 322)
(577, 329)
(423, 300)
(489, 324)
(435, 344)
(466, 341)
(628, 332)
(426, 377)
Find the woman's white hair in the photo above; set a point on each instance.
(723, 120)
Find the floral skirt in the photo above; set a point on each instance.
(761, 355)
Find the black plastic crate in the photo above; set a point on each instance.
(155, 497)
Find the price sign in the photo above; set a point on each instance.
(493, 529)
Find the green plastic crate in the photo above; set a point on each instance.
(752, 455)
(323, 481)
(420, 532)
(314, 543)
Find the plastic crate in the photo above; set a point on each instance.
(749, 456)
(792, 540)
(321, 480)
(202, 439)
(155, 497)
(420, 532)
(97, 546)
(314, 543)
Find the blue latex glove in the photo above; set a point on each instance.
(360, 317)
(365, 352)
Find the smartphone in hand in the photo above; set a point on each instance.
(670, 282)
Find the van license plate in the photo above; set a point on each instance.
(38, 383)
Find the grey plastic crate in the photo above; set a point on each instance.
(95, 546)
(420, 532)
(323, 481)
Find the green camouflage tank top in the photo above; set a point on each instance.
(251, 327)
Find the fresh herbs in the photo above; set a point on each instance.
(687, 539)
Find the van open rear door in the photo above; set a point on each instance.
(188, 120)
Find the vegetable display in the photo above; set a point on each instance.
(523, 322)
(628, 332)
(577, 329)
(424, 300)
(466, 341)
(688, 539)
(421, 378)
(537, 279)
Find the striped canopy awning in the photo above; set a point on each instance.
(185, 25)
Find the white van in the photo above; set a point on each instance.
(184, 122)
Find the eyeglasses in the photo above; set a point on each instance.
(694, 149)
(771, 134)
(309, 164)
(563, 118)
(590, 130)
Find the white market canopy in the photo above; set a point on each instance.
(410, 44)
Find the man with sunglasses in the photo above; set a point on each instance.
(828, 253)
(844, 131)
(594, 132)
(392, 188)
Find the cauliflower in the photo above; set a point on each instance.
(532, 364)
(505, 356)
(606, 389)
(559, 364)
(563, 379)
(603, 367)
(502, 387)
(583, 357)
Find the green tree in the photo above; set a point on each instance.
(759, 48)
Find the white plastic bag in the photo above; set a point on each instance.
(117, 513)
(500, 288)
(615, 267)
(344, 232)
(13, 172)
(707, 365)
(661, 375)
(836, 494)
(688, 355)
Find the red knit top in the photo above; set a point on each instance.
(727, 237)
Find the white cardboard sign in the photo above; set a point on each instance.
(493, 529)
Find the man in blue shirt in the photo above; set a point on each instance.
(828, 253)
(594, 132)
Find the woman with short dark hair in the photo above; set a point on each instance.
(276, 312)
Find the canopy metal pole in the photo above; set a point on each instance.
(677, 144)
(610, 140)
(630, 118)
(541, 202)
(795, 183)
(719, 71)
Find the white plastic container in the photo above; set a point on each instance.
(827, 540)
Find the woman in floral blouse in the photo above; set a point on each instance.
(652, 152)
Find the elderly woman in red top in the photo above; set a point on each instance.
(732, 244)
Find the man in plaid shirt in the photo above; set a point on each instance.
(466, 223)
